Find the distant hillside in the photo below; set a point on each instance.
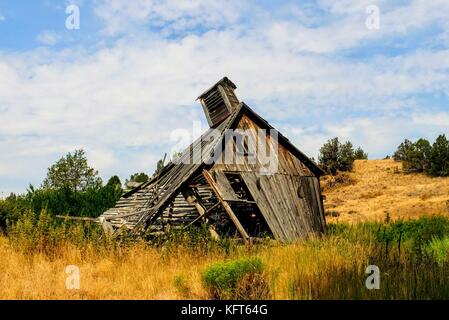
(376, 187)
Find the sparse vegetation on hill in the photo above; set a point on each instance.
(375, 188)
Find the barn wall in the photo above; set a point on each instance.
(287, 163)
(290, 199)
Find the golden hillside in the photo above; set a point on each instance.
(378, 187)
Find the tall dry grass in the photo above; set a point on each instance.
(143, 272)
(330, 267)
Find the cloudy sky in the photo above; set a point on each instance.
(120, 84)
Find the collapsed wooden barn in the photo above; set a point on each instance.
(233, 178)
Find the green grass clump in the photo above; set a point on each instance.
(182, 286)
(438, 249)
(238, 279)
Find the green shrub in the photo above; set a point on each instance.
(9, 213)
(65, 201)
(439, 250)
(423, 229)
(239, 279)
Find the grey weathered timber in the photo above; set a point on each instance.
(240, 196)
(226, 206)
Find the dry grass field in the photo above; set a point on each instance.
(149, 273)
(378, 187)
(33, 264)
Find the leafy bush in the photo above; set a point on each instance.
(415, 234)
(335, 156)
(9, 213)
(438, 249)
(421, 156)
(91, 202)
(239, 279)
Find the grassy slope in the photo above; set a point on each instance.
(379, 187)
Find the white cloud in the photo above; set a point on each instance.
(48, 37)
(102, 159)
(344, 25)
(2, 18)
(440, 119)
(120, 15)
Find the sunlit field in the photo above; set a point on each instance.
(411, 255)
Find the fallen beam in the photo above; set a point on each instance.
(227, 207)
(78, 218)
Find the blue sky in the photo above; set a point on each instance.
(121, 85)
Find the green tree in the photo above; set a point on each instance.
(9, 212)
(359, 154)
(329, 156)
(138, 178)
(419, 156)
(114, 181)
(403, 151)
(346, 157)
(335, 156)
(72, 171)
(439, 157)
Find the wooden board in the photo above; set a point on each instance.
(288, 204)
(225, 187)
(226, 206)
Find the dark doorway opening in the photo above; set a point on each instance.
(246, 209)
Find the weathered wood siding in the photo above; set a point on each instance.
(289, 204)
(289, 199)
(286, 162)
